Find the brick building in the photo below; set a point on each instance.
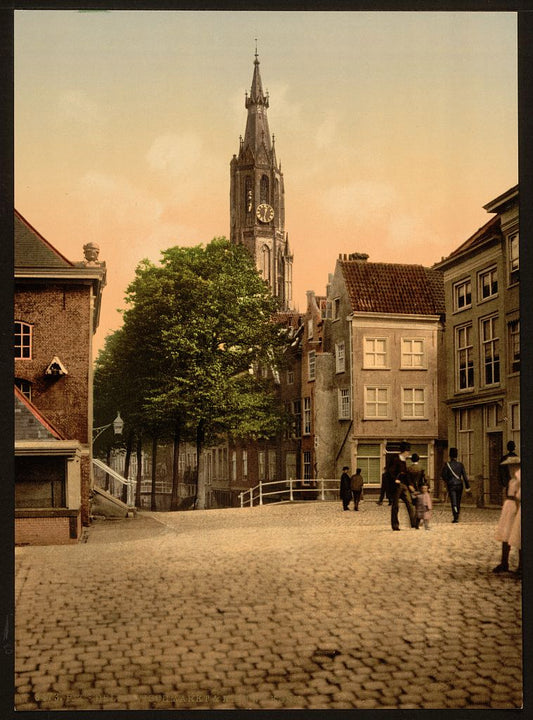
(57, 306)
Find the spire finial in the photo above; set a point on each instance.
(256, 55)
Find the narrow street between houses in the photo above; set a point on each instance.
(280, 606)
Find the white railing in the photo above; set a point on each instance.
(117, 482)
(290, 491)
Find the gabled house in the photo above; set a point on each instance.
(384, 339)
(481, 281)
(57, 306)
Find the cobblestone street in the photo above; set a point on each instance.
(285, 606)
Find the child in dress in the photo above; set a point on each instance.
(508, 528)
(424, 505)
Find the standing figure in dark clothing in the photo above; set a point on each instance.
(505, 474)
(454, 474)
(357, 488)
(346, 488)
(400, 489)
(385, 489)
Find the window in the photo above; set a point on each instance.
(24, 386)
(233, 465)
(339, 358)
(464, 357)
(248, 195)
(513, 329)
(462, 295)
(311, 364)
(307, 416)
(487, 284)
(376, 402)
(368, 460)
(307, 465)
(310, 329)
(263, 190)
(40, 482)
(271, 464)
(244, 464)
(514, 259)
(261, 464)
(290, 377)
(493, 417)
(490, 351)
(266, 263)
(375, 353)
(23, 338)
(297, 412)
(344, 403)
(336, 308)
(414, 403)
(514, 411)
(413, 355)
(465, 438)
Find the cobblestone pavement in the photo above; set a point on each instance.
(285, 606)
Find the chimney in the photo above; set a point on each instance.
(361, 257)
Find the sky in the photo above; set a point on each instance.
(393, 130)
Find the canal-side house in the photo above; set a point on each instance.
(481, 281)
(57, 306)
(385, 379)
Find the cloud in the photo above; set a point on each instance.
(175, 155)
(76, 106)
(326, 131)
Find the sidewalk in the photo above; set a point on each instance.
(281, 606)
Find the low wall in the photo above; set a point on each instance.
(47, 527)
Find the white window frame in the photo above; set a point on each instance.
(311, 365)
(490, 345)
(233, 465)
(407, 352)
(465, 438)
(261, 467)
(335, 308)
(513, 255)
(290, 376)
(245, 465)
(307, 465)
(340, 357)
(369, 390)
(492, 274)
(514, 424)
(23, 351)
(24, 386)
(306, 429)
(371, 353)
(461, 289)
(464, 348)
(513, 331)
(272, 463)
(297, 413)
(411, 400)
(344, 404)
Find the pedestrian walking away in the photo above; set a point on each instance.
(424, 506)
(509, 524)
(454, 475)
(400, 490)
(346, 488)
(357, 488)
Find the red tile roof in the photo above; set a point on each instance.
(396, 289)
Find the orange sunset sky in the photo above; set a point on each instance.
(393, 130)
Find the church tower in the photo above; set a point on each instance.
(257, 197)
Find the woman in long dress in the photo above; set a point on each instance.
(508, 528)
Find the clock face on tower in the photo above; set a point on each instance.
(264, 212)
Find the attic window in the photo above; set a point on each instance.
(24, 386)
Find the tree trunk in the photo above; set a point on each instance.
(153, 502)
(139, 470)
(200, 499)
(129, 445)
(175, 498)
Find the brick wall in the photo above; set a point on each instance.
(46, 530)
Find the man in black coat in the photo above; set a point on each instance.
(454, 475)
(346, 488)
(400, 490)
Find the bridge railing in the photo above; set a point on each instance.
(290, 491)
(117, 482)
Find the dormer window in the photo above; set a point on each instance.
(23, 340)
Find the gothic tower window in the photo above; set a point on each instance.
(263, 189)
(266, 263)
(248, 195)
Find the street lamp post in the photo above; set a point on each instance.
(118, 425)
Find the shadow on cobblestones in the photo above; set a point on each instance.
(299, 606)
